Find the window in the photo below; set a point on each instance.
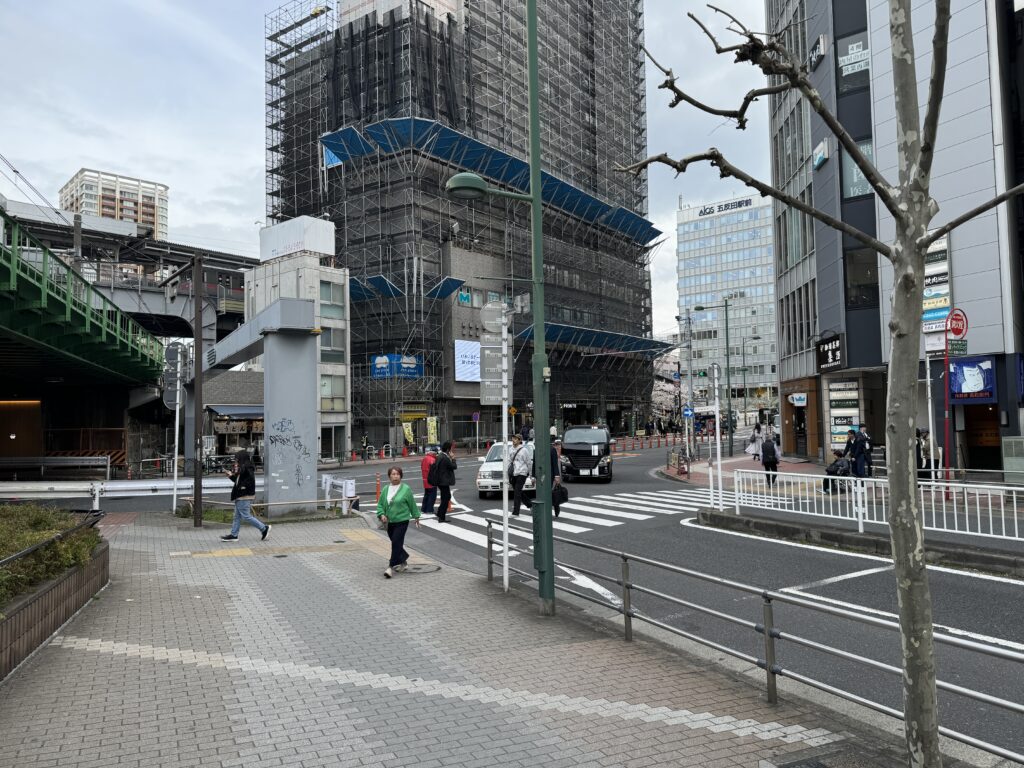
(861, 279)
(332, 345)
(332, 300)
(478, 298)
(854, 183)
(853, 63)
(332, 393)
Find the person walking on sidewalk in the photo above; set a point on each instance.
(770, 462)
(365, 444)
(520, 466)
(243, 493)
(429, 491)
(444, 478)
(755, 442)
(395, 508)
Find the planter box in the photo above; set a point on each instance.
(30, 619)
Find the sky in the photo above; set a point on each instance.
(172, 91)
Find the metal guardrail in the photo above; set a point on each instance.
(770, 633)
(90, 520)
(990, 511)
(42, 463)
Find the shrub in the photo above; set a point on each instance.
(22, 526)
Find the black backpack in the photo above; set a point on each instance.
(768, 451)
(433, 474)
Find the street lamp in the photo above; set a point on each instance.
(744, 348)
(728, 368)
(470, 186)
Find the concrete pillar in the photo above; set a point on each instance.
(290, 392)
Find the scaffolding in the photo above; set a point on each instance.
(467, 71)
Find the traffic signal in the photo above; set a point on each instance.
(702, 374)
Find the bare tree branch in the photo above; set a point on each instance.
(714, 41)
(742, 28)
(930, 238)
(727, 170)
(936, 86)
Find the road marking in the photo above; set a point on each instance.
(646, 506)
(835, 579)
(599, 511)
(586, 582)
(691, 522)
(567, 527)
(617, 710)
(496, 525)
(450, 529)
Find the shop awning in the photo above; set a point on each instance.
(237, 411)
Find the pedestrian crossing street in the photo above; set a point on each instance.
(579, 515)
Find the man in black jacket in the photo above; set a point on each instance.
(243, 493)
(445, 468)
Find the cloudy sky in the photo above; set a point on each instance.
(172, 90)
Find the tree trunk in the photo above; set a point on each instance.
(906, 527)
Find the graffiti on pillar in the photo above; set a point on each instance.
(286, 446)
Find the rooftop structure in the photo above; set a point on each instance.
(113, 196)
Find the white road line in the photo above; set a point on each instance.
(691, 522)
(835, 579)
(646, 506)
(599, 511)
(567, 527)
(478, 539)
(482, 521)
(587, 519)
(581, 580)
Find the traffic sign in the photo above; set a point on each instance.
(687, 413)
(956, 324)
(174, 360)
(490, 392)
(512, 410)
(492, 315)
(476, 415)
(958, 346)
(676, 375)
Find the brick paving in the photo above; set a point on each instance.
(297, 652)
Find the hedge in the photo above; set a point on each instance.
(22, 526)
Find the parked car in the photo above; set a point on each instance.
(587, 453)
(490, 478)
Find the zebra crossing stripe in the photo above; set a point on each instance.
(482, 521)
(654, 498)
(587, 519)
(689, 498)
(465, 534)
(609, 512)
(647, 505)
(567, 527)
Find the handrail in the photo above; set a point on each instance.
(769, 632)
(90, 520)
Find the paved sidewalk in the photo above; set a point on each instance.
(297, 652)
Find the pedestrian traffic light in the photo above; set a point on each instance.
(702, 374)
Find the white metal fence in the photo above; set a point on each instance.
(993, 511)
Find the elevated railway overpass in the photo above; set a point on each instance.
(81, 327)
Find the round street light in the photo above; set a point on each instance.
(466, 186)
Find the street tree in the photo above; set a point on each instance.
(911, 205)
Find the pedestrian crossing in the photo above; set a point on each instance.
(579, 516)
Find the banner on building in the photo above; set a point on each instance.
(432, 430)
(396, 367)
(972, 380)
(407, 431)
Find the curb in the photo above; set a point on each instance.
(937, 553)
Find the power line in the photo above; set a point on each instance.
(31, 186)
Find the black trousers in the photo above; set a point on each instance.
(446, 499)
(518, 481)
(771, 467)
(396, 532)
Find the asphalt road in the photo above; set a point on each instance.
(968, 605)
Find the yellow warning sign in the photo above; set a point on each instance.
(512, 410)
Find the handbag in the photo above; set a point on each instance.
(559, 494)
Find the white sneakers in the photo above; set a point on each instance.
(388, 573)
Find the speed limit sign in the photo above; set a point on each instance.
(956, 324)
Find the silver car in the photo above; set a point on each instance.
(490, 478)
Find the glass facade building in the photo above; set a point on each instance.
(725, 252)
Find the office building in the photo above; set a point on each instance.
(368, 115)
(726, 256)
(834, 295)
(113, 196)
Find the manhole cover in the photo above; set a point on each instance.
(280, 555)
(422, 568)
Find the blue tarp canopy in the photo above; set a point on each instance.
(439, 141)
(384, 287)
(603, 341)
(445, 288)
(359, 292)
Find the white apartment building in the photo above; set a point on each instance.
(726, 257)
(113, 196)
(292, 253)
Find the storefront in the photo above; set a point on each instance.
(800, 418)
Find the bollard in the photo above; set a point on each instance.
(405, 451)
(94, 491)
(627, 610)
(378, 486)
(769, 650)
(490, 555)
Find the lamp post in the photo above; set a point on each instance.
(470, 186)
(744, 349)
(728, 368)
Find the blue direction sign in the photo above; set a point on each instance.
(687, 413)
(675, 375)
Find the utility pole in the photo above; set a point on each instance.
(728, 377)
(197, 413)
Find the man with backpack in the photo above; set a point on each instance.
(429, 491)
(442, 476)
(520, 467)
(770, 461)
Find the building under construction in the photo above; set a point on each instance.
(374, 104)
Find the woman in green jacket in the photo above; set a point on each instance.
(396, 507)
